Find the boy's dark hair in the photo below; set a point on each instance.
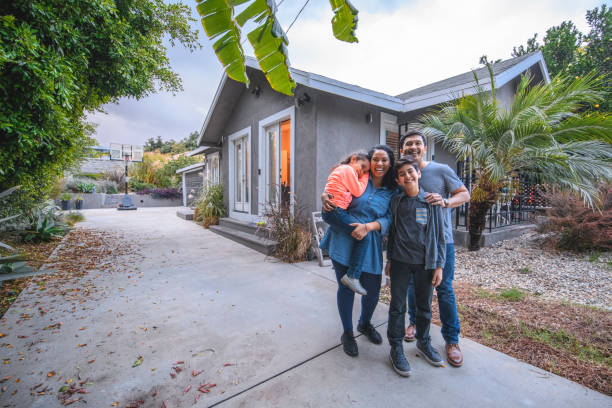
(389, 179)
(412, 132)
(360, 154)
(406, 160)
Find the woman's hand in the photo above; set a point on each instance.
(437, 277)
(326, 200)
(388, 269)
(360, 231)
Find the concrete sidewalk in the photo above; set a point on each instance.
(266, 333)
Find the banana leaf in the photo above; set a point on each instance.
(217, 20)
(269, 44)
(344, 21)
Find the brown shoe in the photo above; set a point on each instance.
(410, 333)
(454, 355)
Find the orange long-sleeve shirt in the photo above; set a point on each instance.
(343, 183)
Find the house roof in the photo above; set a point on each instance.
(191, 167)
(464, 84)
(425, 96)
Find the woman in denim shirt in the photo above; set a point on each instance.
(372, 208)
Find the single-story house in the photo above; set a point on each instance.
(263, 145)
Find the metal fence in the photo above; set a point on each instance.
(516, 204)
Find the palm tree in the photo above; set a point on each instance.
(545, 133)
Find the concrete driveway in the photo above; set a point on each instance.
(204, 310)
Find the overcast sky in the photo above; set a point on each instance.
(402, 45)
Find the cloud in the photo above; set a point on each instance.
(402, 45)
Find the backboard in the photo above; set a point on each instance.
(127, 152)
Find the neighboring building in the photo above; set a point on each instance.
(267, 145)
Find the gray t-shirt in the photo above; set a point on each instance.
(409, 241)
(441, 179)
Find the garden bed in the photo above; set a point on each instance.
(548, 308)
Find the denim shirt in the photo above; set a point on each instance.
(372, 205)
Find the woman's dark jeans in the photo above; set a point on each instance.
(341, 219)
(401, 275)
(346, 297)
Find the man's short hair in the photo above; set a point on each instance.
(407, 160)
(412, 133)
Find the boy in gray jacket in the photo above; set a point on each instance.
(416, 249)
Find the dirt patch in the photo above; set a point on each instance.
(37, 254)
(569, 340)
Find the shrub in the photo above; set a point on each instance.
(108, 187)
(576, 227)
(86, 187)
(148, 171)
(45, 223)
(74, 217)
(138, 186)
(209, 207)
(118, 176)
(162, 192)
(290, 230)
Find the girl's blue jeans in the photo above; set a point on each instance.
(341, 220)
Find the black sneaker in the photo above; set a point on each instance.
(399, 362)
(349, 344)
(429, 353)
(370, 332)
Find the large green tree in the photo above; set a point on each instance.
(60, 59)
(545, 133)
(568, 51)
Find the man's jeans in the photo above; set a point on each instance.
(446, 300)
(341, 220)
(402, 274)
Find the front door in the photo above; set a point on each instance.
(240, 176)
(278, 163)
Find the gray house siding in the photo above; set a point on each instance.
(341, 129)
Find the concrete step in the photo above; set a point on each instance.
(185, 213)
(243, 226)
(260, 244)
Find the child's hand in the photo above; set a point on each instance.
(437, 277)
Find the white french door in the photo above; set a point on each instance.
(239, 166)
(276, 159)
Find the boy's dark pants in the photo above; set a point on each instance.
(401, 274)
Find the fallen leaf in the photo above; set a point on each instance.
(187, 389)
(91, 361)
(138, 362)
(8, 377)
(81, 345)
(50, 373)
(195, 373)
(2, 335)
(229, 364)
(180, 362)
(21, 336)
(172, 375)
(114, 404)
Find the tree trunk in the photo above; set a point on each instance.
(478, 211)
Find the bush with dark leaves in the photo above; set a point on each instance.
(575, 226)
(162, 192)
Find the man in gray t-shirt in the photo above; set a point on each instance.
(444, 188)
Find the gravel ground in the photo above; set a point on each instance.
(523, 263)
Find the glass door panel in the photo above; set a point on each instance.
(241, 165)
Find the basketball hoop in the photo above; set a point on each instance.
(126, 153)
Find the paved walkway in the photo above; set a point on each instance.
(267, 334)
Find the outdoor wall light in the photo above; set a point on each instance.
(302, 100)
(256, 91)
(368, 118)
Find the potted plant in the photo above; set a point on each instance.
(65, 197)
(78, 202)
